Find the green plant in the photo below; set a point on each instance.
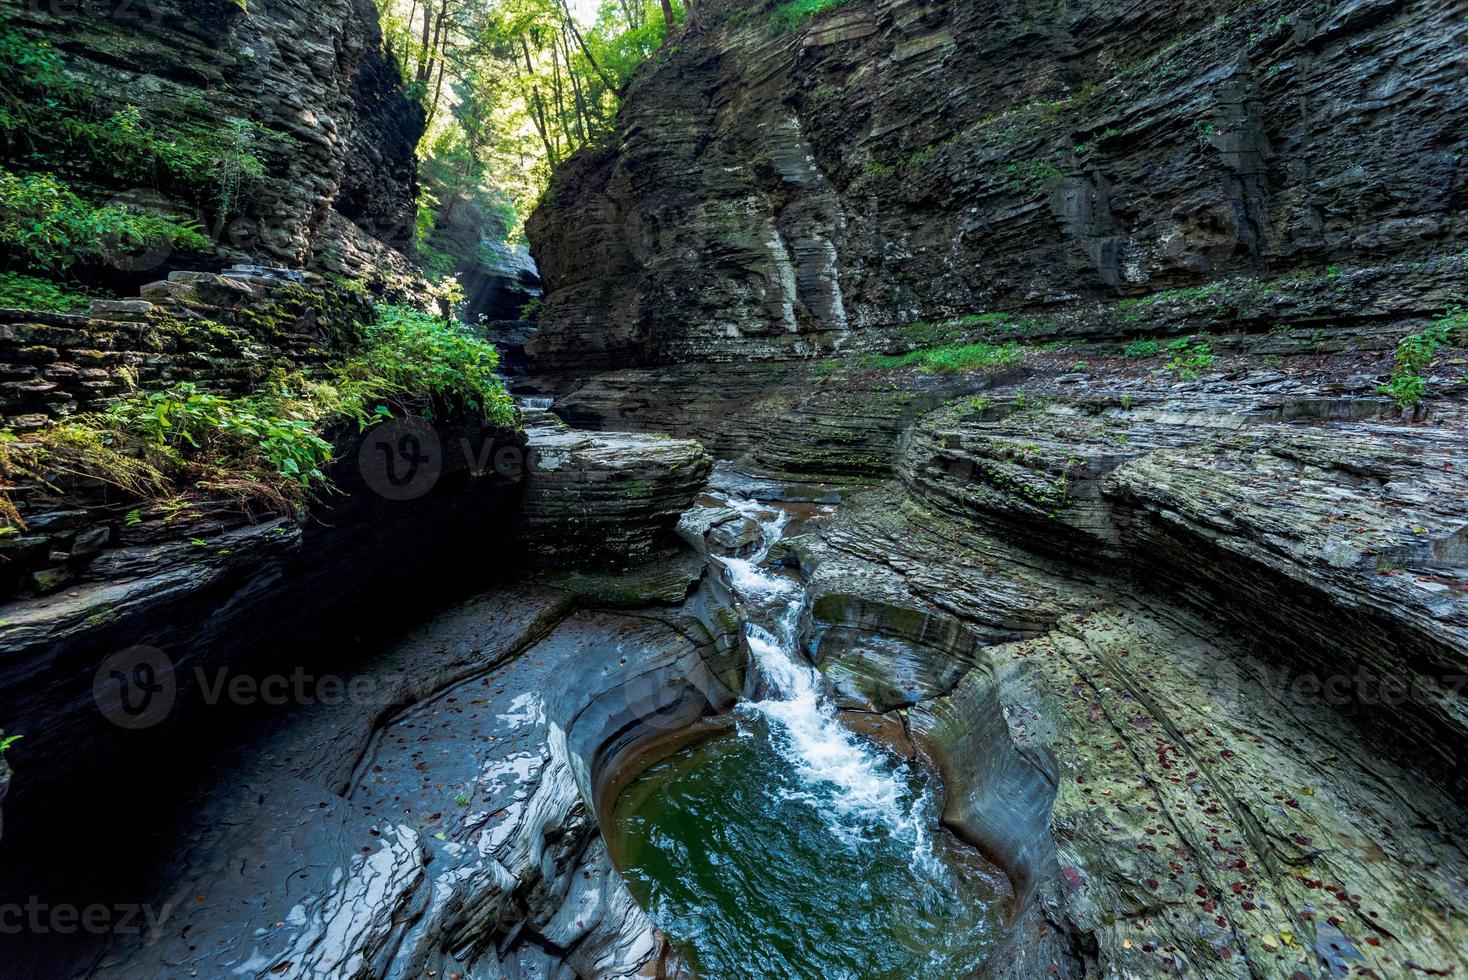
(1143, 348)
(410, 351)
(530, 311)
(6, 741)
(793, 13)
(1190, 358)
(1032, 176)
(271, 445)
(232, 430)
(42, 220)
(59, 120)
(1407, 385)
(952, 359)
(31, 293)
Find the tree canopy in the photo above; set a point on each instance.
(514, 87)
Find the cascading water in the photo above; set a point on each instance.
(794, 847)
(870, 791)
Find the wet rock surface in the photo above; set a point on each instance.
(1188, 651)
(442, 819)
(1220, 630)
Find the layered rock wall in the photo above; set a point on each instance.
(309, 91)
(777, 193)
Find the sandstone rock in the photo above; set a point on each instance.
(314, 76)
(1199, 809)
(606, 498)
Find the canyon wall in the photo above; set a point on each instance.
(304, 88)
(774, 193)
(1098, 303)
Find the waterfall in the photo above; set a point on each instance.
(860, 788)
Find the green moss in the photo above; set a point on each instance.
(1032, 176)
(790, 15)
(31, 293)
(951, 359)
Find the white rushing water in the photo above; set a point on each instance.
(861, 788)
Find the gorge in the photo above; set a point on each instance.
(980, 495)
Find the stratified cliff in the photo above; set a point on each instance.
(778, 192)
(281, 127)
(1144, 326)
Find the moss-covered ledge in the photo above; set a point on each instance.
(211, 401)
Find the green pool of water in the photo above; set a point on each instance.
(755, 870)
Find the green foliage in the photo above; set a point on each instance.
(434, 356)
(1191, 357)
(30, 293)
(273, 444)
(1032, 176)
(231, 430)
(793, 13)
(1143, 348)
(530, 86)
(1408, 385)
(951, 359)
(60, 122)
(50, 227)
(530, 311)
(6, 741)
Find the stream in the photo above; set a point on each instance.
(790, 846)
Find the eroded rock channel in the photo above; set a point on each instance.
(1082, 590)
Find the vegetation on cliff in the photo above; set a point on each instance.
(274, 445)
(54, 125)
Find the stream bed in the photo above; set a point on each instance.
(788, 845)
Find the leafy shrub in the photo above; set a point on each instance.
(30, 293)
(422, 354)
(272, 444)
(530, 311)
(1190, 358)
(793, 13)
(231, 430)
(1407, 385)
(1143, 348)
(953, 359)
(52, 228)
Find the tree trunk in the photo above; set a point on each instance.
(537, 106)
(581, 42)
(583, 122)
(422, 73)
